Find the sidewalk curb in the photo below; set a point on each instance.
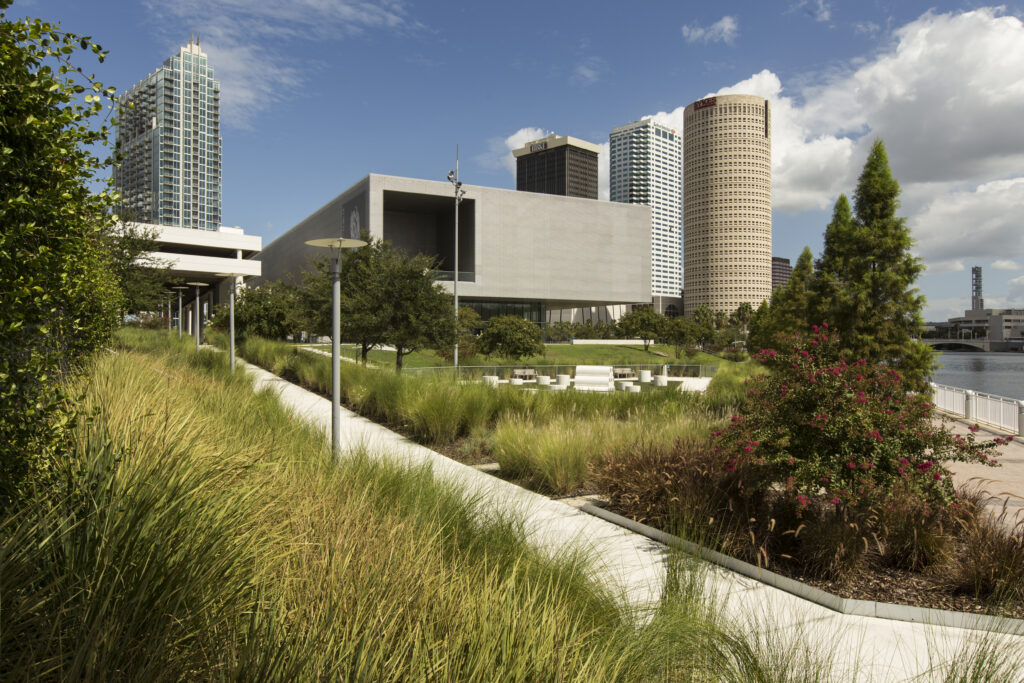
(850, 606)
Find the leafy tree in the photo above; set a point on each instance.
(469, 324)
(143, 278)
(721, 319)
(271, 310)
(682, 334)
(59, 300)
(418, 312)
(742, 315)
(510, 336)
(790, 309)
(704, 317)
(642, 323)
(864, 279)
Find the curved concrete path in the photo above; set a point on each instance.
(862, 648)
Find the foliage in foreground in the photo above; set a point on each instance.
(58, 301)
(191, 545)
(840, 432)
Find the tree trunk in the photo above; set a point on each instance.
(364, 353)
(398, 358)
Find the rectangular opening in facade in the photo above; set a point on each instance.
(425, 224)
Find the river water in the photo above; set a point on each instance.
(992, 373)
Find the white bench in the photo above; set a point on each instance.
(594, 378)
(694, 384)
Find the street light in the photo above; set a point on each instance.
(180, 289)
(453, 178)
(199, 322)
(231, 312)
(336, 244)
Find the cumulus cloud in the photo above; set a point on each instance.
(238, 35)
(982, 223)
(1005, 264)
(724, 30)
(499, 150)
(819, 10)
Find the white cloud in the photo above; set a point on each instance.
(978, 224)
(868, 28)
(724, 30)
(237, 35)
(588, 70)
(819, 10)
(1005, 264)
(499, 150)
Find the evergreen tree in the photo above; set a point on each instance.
(864, 280)
(791, 308)
(643, 323)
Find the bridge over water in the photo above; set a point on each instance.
(974, 345)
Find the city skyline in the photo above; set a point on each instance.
(314, 95)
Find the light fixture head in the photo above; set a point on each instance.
(451, 176)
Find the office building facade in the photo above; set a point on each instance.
(169, 139)
(559, 165)
(727, 185)
(782, 270)
(645, 167)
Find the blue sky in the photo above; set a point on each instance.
(318, 93)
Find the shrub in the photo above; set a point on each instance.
(827, 430)
(512, 337)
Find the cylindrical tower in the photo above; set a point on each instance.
(727, 203)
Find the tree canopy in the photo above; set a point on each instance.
(644, 323)
(509, 336)
(59, 300)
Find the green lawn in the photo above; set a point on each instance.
(555, 354)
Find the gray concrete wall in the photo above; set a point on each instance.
(562, 250)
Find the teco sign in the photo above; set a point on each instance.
(704, 104)
(538, 146)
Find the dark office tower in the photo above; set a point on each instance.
(977, 302)
(781, 272)
(559, 165)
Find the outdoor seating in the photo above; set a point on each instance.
(645, 376)
(524, 373)
(491, 379)
(593, 378)
(661, 380)
(694, 384)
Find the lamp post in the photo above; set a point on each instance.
(199, 322)
(336, 244)
(180, 289)
(232, 288)
(453, 178)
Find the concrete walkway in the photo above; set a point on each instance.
(1004, 484)
(865, 648)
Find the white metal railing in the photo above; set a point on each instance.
(998, 411)
(950, 399)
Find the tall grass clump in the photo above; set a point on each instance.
(205, 534)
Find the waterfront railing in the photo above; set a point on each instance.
(476, 372)
(997, 411)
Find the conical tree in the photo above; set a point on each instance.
(864, 279)
(790, 309)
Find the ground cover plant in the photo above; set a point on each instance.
(525, 432)
(833, 471)
(204, 534)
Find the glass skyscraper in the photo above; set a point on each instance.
(646, 167)
(170, 144)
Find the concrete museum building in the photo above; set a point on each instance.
(520, 253)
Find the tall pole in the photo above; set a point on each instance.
(179, 314)
(455, 287)
(169, 316)
(198, 321)
(336, 354)
(453, 176)
(231, 324)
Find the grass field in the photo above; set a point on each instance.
(555, 354)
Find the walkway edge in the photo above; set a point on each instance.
(851, 606)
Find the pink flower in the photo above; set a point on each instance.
(834, 501)
(747, 449)
(937, 476)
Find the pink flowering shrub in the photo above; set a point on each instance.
(829, 430)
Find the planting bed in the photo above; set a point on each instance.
(552, 444)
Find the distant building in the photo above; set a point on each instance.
(782, 270)
(977, 299)
(994, 324)
(646, 167)
(520, 253)
(727, 222)
(558, 165)
(171, 146)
